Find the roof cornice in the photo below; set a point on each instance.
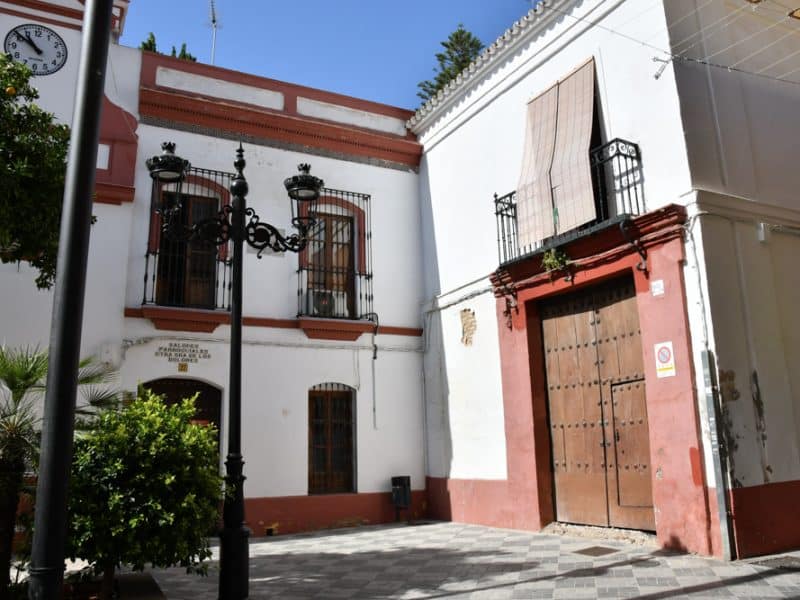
(536, 20)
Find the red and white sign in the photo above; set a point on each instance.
(665, 360)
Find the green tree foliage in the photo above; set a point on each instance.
(150, 45)
(22, 380)
(33, 153)
(20, 370)
(460, 49)
(145, 488)
(183, 54)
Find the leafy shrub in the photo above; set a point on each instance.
(145, 488)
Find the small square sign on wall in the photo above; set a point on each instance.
(665, 359)
(657, 287)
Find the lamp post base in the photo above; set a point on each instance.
(234, 564)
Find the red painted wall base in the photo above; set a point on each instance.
(293, 514)
(766, 518)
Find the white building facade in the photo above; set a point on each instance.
(631, 362)
(332, 339)
(562, 290)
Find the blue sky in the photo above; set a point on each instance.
(372, 49)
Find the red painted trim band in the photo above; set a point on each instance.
(259, 123)
(24, 15)
(188, 319)
(108, 193)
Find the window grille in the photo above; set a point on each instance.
(618, 195)
(192, 274)
(335, 270)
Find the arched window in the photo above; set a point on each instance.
(331, 439)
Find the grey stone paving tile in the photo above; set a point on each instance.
(752, 592)
(657, 581)
(571, 582)
(693, 571)
(450, 561)
(793, 591)
(617, 592)
(534, 594)
(574, 594)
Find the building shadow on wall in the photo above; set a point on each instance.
(436, 390)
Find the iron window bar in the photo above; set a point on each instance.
(334, 274)
(182, 272)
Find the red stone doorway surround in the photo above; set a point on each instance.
(684, 517)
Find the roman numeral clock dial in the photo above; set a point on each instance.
(39, 47)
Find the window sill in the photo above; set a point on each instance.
(206, 321)
(334, 329)
(181, 319)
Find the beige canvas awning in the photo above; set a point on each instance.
(555, 189)
(534, 199)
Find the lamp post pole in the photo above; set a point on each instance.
(234, 559)
(232, 225)
(49, 535)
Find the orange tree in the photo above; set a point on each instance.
(145, 489)
(33, 152)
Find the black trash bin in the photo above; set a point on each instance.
(401, 494)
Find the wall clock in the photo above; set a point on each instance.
(39, 47)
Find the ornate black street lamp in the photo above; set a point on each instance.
(238, 224)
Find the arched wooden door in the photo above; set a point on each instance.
(208, 406)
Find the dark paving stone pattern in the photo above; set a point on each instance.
(453, 561)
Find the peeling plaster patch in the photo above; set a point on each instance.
(468, 326)
(729, 443)
(761, 424)
(659, 473)
(727, 386)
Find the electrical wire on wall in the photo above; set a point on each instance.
(681, 56)
(373, 316)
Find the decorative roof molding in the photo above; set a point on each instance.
(537, 20)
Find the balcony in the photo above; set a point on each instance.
(334, 275)
(191, 274)
(617, 185)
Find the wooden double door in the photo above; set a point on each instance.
(597, 410)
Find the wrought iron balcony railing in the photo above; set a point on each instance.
(617, 182)
(334, 275)
(188, 274)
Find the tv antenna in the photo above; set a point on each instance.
(213, 9)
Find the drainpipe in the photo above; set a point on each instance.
(721, 474)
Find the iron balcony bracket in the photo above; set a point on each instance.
(219, 230)
(623, 227)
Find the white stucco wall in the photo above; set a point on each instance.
(279, 365)
(473, 149)
(278, 368)
(741, 125)
(270, 284)
(26, 310)
(753, 297)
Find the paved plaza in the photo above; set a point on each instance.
(453, 561)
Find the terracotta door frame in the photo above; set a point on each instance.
(684, 519)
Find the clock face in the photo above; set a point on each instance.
(39, 47)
